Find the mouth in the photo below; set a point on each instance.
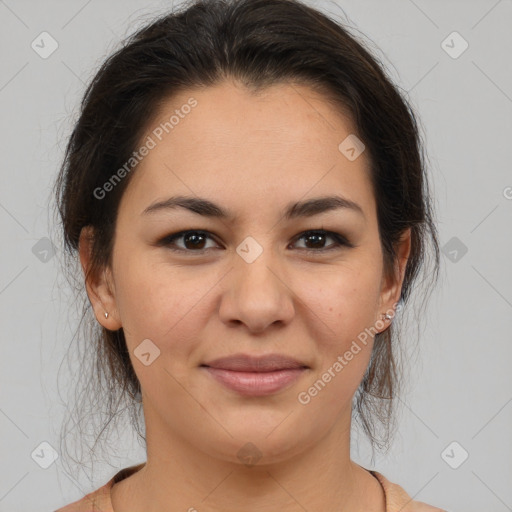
(257, 364)
(255, 376)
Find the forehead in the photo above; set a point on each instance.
(234, 145)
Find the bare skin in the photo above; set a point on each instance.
(251, 155)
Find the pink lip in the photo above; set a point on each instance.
(248, 363)
(255, 383)
(255, 376)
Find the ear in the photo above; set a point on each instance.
(392, 285)
(99, 284)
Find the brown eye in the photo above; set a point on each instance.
(193, 241)
(196, 240)
(317, 239)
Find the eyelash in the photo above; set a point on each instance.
(340, 240)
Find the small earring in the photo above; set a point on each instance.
(386, 316)
(106, 314)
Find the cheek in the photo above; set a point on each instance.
(163, 307)
(169, 305)
(151, 299)
(344, 300)
(343, 310)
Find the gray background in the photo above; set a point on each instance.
(461, 384)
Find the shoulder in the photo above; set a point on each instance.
(96, 501)
(100, 500)
(398, 500)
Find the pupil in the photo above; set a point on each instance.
(194, 236)
(318, 237)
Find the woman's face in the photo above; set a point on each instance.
(251, 283)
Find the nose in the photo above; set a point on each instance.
(257, 295)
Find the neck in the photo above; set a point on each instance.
(178, 476)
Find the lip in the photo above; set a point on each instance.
(248, 363)
(255, 376)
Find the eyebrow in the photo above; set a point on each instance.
(207, 208)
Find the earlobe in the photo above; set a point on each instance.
(97, 283)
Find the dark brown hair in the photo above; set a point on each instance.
(258, 43)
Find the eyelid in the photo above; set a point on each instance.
(166, 240)
(341, 240)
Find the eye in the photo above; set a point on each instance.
(195, 241)
(318, 237)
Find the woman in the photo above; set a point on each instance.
(246, 193)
